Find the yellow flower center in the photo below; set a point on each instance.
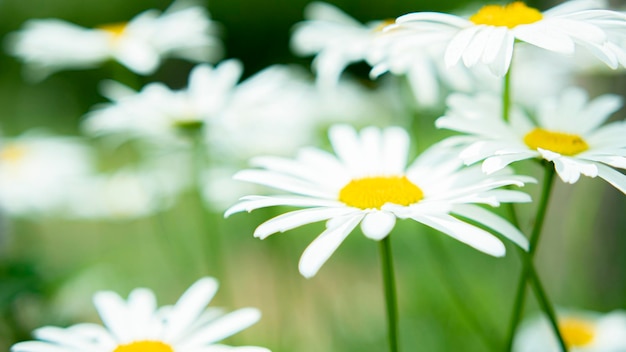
(511, 15)
(114, 29)
(576, 332)
(558, 142)
(12, 153)
(144, 346)
(374, 192)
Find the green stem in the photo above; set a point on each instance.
(528, 270)
(390, 292)
(208, 228)
(506, 95)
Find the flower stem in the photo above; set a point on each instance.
(390, 292)
(506, 95)
(529, 272)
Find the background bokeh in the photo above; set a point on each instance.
(452, 298)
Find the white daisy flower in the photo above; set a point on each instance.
(137, 325)
(402, 51)
(568, 132)
(38, 172)
(489, 35)
(336, 39)
(184, 31)
(159, 112)
(369, 183)
(582, 331)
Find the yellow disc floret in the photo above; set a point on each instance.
(511, 15)
(576, 332)
(114, 29)
(144, 346)
(12, 153)
(558, 142)
(374, 192)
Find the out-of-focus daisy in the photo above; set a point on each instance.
(183, 30)
(137, 325)
(336, 39)
(582, 331)
(38, 172)
(488, 36)
(404, 52)
(157, 111)
(369, 183)
(568, 132)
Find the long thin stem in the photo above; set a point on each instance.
(528, 270)
(389, 284)
(506, 95)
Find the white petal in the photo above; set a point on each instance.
(492, 221)
(474, 50)
(466, 233)
(615, 178)
(457, 46)
(318, 252)
(298, 218)
(189, 307)
(114, 314)
(543, 35)
(250, 203)
(378, 224)
(222, 328)
(498, 162)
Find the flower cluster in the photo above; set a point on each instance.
(499, 82)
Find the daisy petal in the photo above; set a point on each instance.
(318, 252)
(492, 221)
(464, 232)
(298, 218)
(223, 327)
(615, 178)
(189, 307)
(377, 224)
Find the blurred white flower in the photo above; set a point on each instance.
(137, 325)
(130, 192)
(157, 112)
(488, 36)
(369, 183)
(184, 30)
(335, 38)
(568, 132)
(38, 173)
(583, 331)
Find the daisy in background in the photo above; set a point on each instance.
(488, 36)
(39, 172)
(137, 325)
(583, 331)
(160, 113)
(369, 183)
(184, 30)
(568, 132)
(336, 39)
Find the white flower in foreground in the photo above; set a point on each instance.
(489, 35)
(336, 39)
(49, 45)
(568, 132)
(38, 173)
(369, 183)
(137, 325)
(157, 111)
(582, 331)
